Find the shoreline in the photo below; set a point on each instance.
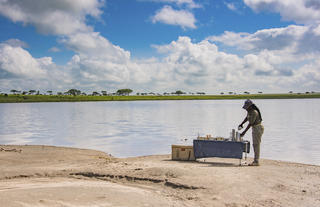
(67, 98)
(38, 175)
(12, 147)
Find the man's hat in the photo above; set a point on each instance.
(247, 104)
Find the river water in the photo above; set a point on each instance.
(136, 128)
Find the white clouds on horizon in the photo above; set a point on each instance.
(16, 61)
(185, 65)
(168, 15)
(97, 60)
(290, 53)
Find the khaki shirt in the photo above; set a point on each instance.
(253, 117)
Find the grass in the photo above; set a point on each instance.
(55, 98)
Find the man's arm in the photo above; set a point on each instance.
(244, 121)
(245, 131)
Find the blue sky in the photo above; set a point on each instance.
(160, 45)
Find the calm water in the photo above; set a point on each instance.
(123, 129)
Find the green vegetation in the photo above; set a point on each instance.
(73, 92)
(14, 98)
(124, 91)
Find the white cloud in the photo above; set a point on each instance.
(97, 61)
(302, 40)
(279, 57)
(61, 17)
(19, 70)
(308, 76)
(183, 16)
(168, 15)
(300, 11)
(54, 49)
(231, 6)
(201, 64)
(15, 61)
(16, 43)
(93, 44)
(188, 3)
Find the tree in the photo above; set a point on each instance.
(95, 93)
(179, 92)
(31, 92)
(125, 92)
(73, 92)
(49, 92)
(13, 91)
(104, 93)
(201, 93)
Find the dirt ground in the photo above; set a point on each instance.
(40, 176)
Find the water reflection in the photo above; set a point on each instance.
(150, 127)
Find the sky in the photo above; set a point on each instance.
(209, 46)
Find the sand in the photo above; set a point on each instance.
(57, 176)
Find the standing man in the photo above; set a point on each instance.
(255, 119)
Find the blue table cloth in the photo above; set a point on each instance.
(223, 149)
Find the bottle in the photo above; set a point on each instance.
(238, 137)
(233, 134)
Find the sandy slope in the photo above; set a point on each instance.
(55, 176)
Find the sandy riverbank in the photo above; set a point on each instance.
(56, 176)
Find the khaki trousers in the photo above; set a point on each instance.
(257, 132)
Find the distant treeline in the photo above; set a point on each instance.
(127, 91)
(19, 98)
(120, 92)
